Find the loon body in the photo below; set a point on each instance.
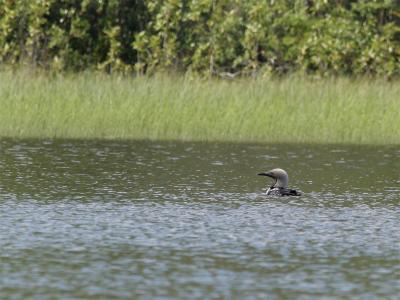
(279, 187)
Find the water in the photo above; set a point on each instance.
(142, 220)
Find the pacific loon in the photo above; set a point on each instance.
(279, 187)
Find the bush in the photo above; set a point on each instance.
(324, 37)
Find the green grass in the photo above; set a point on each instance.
(296, 109)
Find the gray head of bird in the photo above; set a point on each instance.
(280, 176)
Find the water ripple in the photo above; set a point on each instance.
(167, 220)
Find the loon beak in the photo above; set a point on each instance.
(265, 174)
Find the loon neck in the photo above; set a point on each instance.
(280, 183)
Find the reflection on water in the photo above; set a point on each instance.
(91, 219)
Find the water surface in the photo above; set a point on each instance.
(166, 220)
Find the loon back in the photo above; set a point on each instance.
(282, 192)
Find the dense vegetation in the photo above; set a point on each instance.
(291, 109)
(335, 37)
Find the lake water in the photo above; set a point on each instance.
(166, 220)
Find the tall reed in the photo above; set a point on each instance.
(293, 109)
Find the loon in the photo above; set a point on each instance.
(279, 187)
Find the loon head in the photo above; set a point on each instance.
(280, 176)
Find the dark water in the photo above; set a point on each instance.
(141, 220)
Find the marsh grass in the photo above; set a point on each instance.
(294, 109)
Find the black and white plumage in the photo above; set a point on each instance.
(279, 187)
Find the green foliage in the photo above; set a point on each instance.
(215, 37)
(72, 35)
